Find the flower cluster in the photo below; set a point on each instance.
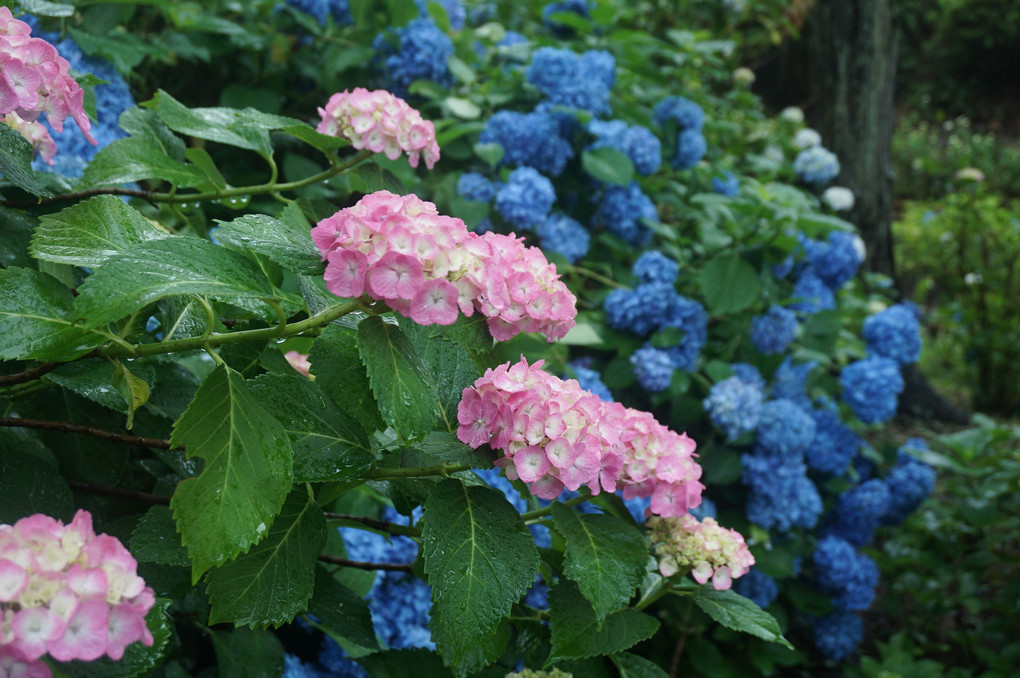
(858, 511)
(806, 138)
(871, 387)
(34, 78)
(780, 493)
(772, 332)
(555, 435)
(727, 185)
(66, 591)
(759, 587)
(474, 186)
(525, 199)
(655, 267)
(382, 123)
(790, 381)
(455, 11)
(417, 51)
(894, 333)
(734, 406)
(785, 429)
(653, 368)
(707, 549)
(816, 165)
(531, 139)
(834, 446)
(563, 235)
(837, 635)
(910, 482)
(836, 260)
(846, 575)
(812, 294)
(838, 198)
(636, 142)
(621, 210)
(427, 266)
(689, 118)
(575, 81)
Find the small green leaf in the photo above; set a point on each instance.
(247, 473)
(608, 165)
(342, 612)
(315, 139)
(399, 378)
(272, 583)
(576, 633)
(290, 247)
(133, 389)
(155, 539)
(738, 613)
(462, 108)
(480, 559)
(605, 556)
(16, 161)
(633, 666)
(729, 283)
(491, 153)
(668, 337)
(244, 653)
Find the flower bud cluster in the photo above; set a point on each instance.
(68, 592)
(34, 78)
(555, 435)
(427, 266)
(382, 123)
(707, 549)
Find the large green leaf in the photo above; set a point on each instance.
(16, 161)
(736, 612)
(272, 583)
(328, 444)
(155, 539)
(729, 283)
(608, 165)
(633, 666)
(341, 375)
(35, 319)
(30, 481)
(287, 245)
(341, 612)
(576, 633)
(606, 556)
(247, 474)
(163, 268)
(480, 559)
(244, 653)
(135, 159)
(399, 378)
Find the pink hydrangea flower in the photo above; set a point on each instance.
(430, 268)
(299, 361)
(554, 436)
(382, 123)
(67, 592)
(34, 79)
(706, 549)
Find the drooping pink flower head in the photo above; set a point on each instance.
(706, 549)
(382, 123)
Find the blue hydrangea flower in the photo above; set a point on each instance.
(334, 662)
(858, 512)
(538, 595)
(563, 235)
(417, 51)
(474, 186)
(690, 316)
(894, 333)
(600, 65)
(834, 446)
(340, 10)
(455, 11)
(785, 429)
(625, 309)
(748, 374)
(758, 586)
(726, 185)
(567, 79)
(790, 381)
(706, 509)
(531, 139)
(838, 634)
(636, 142)
(620, 210)
(525, 199)
(836, 260)
(686, 113)
(910, 482)
(734, 406)
(511, 38)
(653, 368)
(780, 495)
(772, 332)
(589, 379)
(816, 165)
(846, 575)
(690, 149)
(871, 387)
(655, 267)
(812, 293)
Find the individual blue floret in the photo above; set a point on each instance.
(418, 51)
(758, 586)
(871, 387)
(780, 495)
(474, 186)
(622, 208)
(772, 332)
(686, 113)
(653, 368)
(785, 429)
(563, 235)
(812, 293)
(727, 185)
(858, 512)
(525, 199)
(455, 11)
(846, 575)
(690, 149)
(567, 79)
(834, 446)
(531, 139)
(835, 260)
(838, 634)
(790, 381)
(655, 267)
(816, 165)
(894, 333)
(689, 316)
(910, 482)
(734, 406)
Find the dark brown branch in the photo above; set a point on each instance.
(77, 195)
(68, 427)
(393, 567)
(143, 497)
(376, 524)
(28, 375)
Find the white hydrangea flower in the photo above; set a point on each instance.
(792, 114)
(807, 138)
(839, 198)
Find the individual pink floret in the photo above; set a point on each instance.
(430, 268)
(706, 549)
(299, 361)
(382, 123)
(554, 436)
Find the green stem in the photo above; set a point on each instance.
(663, 590)
(588, 273)
(444, 470)
(542, 512)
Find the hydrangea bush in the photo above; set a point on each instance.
(514, 356)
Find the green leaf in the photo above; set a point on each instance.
(92, 232)
(30, 481)
(92, 379)
(16, 161)
(46, 8)
(315, 139)
(341, 612)
(480, 559)
(605, 556)
(341, 375)
(124, 49)
(738, 613)
(244, 653)
(491, 153)
(462, 108)
(608, 165)
(155, 539)
(290, 247)
(132, 388)
(163, 268)
(247, 473)
(633, 666)
(399, 378)
(668, 337)
(176, 386)
(729, 283)
(272, 583)
(35, 319)
(328, 444)
(134, 159)
(416, 662)
(575, 631)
